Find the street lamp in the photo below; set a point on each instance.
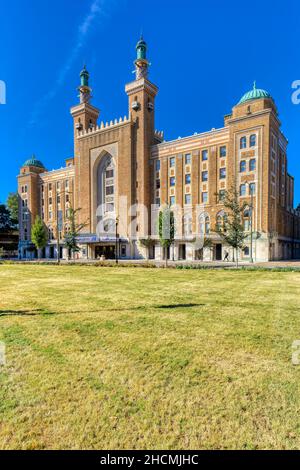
(251, 223)
(117, 240)
(59, 220)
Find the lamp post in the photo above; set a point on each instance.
(251, 223)
(117, 240)
(59, 219)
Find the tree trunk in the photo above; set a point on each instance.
(166, 257)
(237, 257)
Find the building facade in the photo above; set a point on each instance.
(122, 172)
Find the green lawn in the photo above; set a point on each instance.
(135, 358)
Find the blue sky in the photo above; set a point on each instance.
(204, 56)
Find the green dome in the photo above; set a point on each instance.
(254, 94)
(34, 162)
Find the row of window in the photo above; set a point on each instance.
(58, 186)
(204, 177)
(24, 189)
(252, 141)
(204, 195)
(50, 214)
(187, 199)
(188, 158)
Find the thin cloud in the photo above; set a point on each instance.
(96, 11)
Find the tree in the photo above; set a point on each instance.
(232, 229)
(39, 234)
(12, 204)
(74, 230)
(5, 219)
(146, 243)
(1, 252)
(166, 229)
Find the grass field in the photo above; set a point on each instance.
(148, 358)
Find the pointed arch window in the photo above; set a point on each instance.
(204, 223)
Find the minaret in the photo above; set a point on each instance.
(141, 63)
(84, 89)
(141, 93)
(84, 114)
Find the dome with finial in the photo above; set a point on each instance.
(254, 94)
(34, 162)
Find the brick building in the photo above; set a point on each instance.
(125, 170)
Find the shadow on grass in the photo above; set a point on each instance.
(179, 305)
(30, 313)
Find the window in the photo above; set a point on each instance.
(204, 198)
(42, 188)
(50, 187)
(246, 251)
(172, 162)
(223, 151)
(243, 166)
(222, 173)
(252, 164)
(252, 140)
(157, 201)
(50, 201)
(50, 215)
(172, 181)
(187, 199)
(67, 184)
(221, 194)
(252, 188)
(188, 159)
(204, 154)
(157, 184)
(207, 225)
(204, 224)
(157, 165)
(243, 143)
(246, 220)
(204, 175)
(123, 251)
(243, 190)
(67, 198)
(58, 185)
(221, 221)
(25, 188)
(172, 200)
(109, 190)
(109, 173)
(188, 179)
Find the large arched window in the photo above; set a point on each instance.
(221, 221)
(106, 186)
(204, 223)
(243, 143)
(188, 225)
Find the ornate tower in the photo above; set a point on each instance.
(84, 115)
(141, 93)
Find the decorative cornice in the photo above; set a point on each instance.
(139, 85)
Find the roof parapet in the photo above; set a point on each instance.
(104, 126)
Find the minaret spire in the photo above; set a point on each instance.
(141, 62)
(84, 89)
